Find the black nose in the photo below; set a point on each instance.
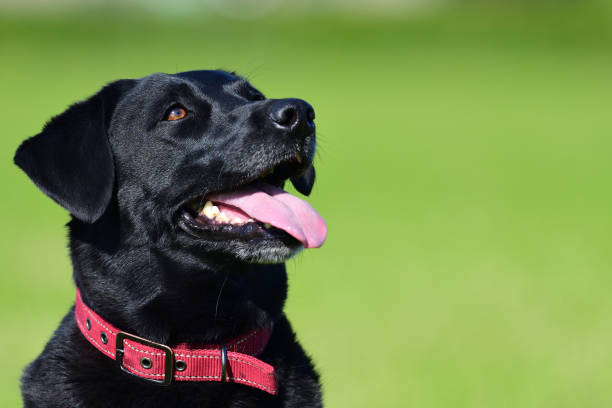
(294, 115)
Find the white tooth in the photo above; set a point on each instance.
(222, 218)
(237, 221)
(267, 226)
(207, 206)
(210, 210)
(251, 220)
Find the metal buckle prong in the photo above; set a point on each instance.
(168, 364)
(223, 363)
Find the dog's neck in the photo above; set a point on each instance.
(169, 295)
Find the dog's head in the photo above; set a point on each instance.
(197, 159)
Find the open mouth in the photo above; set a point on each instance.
(259, 209)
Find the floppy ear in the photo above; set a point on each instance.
(304, 183)
(71, 159)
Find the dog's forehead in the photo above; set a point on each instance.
(211, 83)
(209, 78)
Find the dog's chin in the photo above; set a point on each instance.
(265, 252)
(251, 243)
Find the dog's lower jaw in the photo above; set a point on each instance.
(261, 254)
(264, 253)
(276, 248)
(261, 251)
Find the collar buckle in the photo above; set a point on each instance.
(168, 364)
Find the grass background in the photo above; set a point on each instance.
(464, 172)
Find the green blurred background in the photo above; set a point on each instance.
(464, 172)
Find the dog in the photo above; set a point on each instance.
(178, 233)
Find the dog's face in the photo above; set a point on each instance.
(196, 159)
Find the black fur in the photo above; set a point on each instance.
(127, 176)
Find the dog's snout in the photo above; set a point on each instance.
(294, 115)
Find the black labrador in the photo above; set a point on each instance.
(178, 235)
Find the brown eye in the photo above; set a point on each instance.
(176, 113)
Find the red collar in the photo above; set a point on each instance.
(233, 361)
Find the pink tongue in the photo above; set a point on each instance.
(270, 204)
